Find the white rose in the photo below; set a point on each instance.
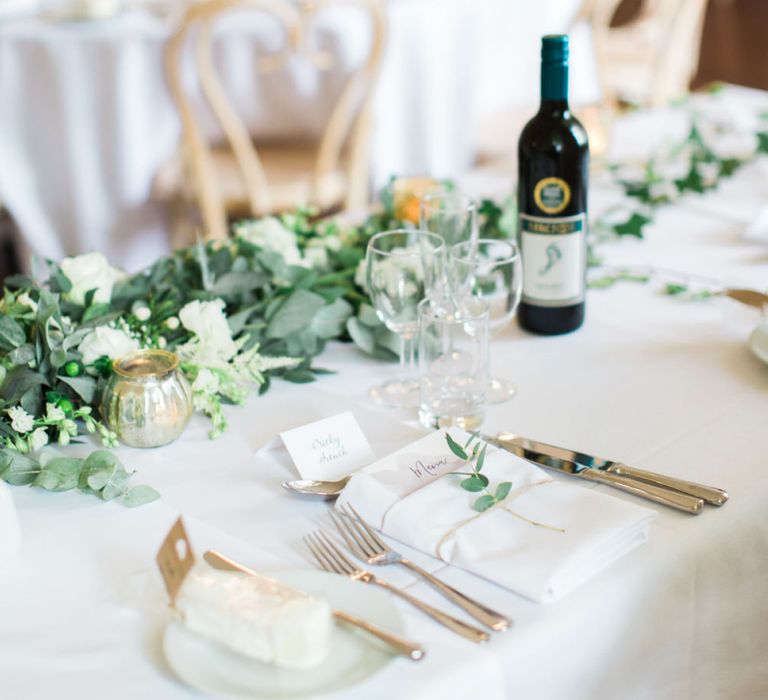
(25, 300)
(172, 323)
(38, 439)
(21, 421)
(270, 234)
(104, 340)
(90, 271)
(207, 321)
(53, 413)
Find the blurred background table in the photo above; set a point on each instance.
(87, 119)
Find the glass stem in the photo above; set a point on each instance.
(407, 358)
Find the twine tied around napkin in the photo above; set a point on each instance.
(499, 504)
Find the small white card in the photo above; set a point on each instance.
(328, 449)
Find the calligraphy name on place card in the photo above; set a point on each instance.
(329, 448)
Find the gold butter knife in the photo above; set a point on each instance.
(397, 643)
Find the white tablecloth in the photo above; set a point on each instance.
(87, 120)
(659, 382)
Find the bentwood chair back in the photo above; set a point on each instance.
(241, 179)
(651, 59)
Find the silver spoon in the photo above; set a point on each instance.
(310, 487)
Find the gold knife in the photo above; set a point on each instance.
(710, 494)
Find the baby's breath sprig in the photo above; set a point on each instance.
(473, 453)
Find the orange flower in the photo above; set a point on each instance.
(408, 193)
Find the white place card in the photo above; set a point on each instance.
(329, 448)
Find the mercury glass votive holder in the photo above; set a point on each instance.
(147, 401)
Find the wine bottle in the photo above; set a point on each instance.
(553, 162)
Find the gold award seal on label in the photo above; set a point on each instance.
(552, 195)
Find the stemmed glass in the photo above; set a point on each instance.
(490, 269)
(402, 268)
(451, 215)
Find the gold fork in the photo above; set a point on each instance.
(364, 543)
(331, 558)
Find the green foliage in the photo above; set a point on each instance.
(473, 454)
(100, 474)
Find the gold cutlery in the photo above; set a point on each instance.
(310, 487)
(750, 297)
(397, 643)
(365, 544)
(331, 558)
(572, 461)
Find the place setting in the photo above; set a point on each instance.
(355, 349)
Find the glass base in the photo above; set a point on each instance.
(500, 390)
(466, 420)
(396, 393)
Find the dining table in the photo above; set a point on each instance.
(662, 382)
(88, 121)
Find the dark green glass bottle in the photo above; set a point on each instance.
(553, 164)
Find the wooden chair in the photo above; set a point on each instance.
(237, 178)
(651, 59)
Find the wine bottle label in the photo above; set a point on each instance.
(554, 259)
(552, 195)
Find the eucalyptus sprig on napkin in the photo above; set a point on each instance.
(473, 453)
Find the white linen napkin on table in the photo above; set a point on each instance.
(412, 497)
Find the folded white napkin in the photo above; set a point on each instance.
(412, 497)
(10, 535)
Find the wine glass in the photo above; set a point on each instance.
(451, 215)
(402, 268)
(490, 269)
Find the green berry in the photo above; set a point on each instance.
(66, 406)
(72, 369)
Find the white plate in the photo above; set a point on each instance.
(354, 656)
(758, 342)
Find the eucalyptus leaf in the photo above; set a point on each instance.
(12, 334)
(18, 382)
(17, 469)
(140, 495)
(22, 354)
(484, 503)
(502, 490)
(84, 386)
(330, 321)
(457, 449)
(297, 311)
(362, 336)
(59, 474)
(472, 483)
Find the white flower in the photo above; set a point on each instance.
(38, 439)
(90, 271)
(53, 413)
(709, 172)
(270, 234)
(21, 421)
(206, 382)
(162, 342)
(25, 300)
(207, 321)
(142, 313)
(316, 256)
(104, 340)
(63, 438)
(172, 323)
(662, 190)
